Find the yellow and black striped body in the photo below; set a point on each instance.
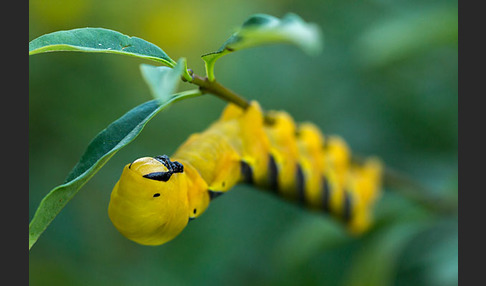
(296, 162)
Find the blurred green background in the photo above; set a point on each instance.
(387, 81)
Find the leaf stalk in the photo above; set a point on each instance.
(214, 87)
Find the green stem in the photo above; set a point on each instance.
(214, 87)
(420, 194)
(399, 182)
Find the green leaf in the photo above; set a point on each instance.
(319, 235)
(376, 262)
(163, 81)
(261, 29)
(98, 40)
(116, 136)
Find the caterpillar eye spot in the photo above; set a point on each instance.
(194, 212)
(156, 195)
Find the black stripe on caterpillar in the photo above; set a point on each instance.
(156, 197)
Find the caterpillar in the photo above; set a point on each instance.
(156, 197)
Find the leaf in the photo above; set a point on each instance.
(376, 262)
(161, 79)
(431, 257)
(305, 239)
(262, 29)
(116, 136)
(98, 40)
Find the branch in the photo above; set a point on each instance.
(417, 192)
(213, 87)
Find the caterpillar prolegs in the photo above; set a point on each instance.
(156, 197)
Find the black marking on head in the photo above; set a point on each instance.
(246, 172)
(156, 195)
(272, 173)
(177, 167)
(192, 218)
(162, 159)
(172, 167)
(347, 206)
(300, 184)
(325, 194)
(130, 166)
(194, 211)
(158, 176)
(214, 194)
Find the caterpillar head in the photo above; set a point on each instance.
(149, 204)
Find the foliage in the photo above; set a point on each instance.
(401, 105)
(98, 40)
(263, 29)
(162, 82)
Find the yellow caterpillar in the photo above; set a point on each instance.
(156, 197)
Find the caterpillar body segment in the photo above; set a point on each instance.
(156, 197)
(136, 203)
